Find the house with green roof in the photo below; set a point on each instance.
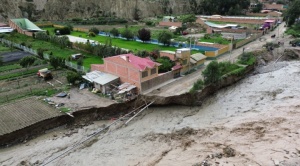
(24, 26)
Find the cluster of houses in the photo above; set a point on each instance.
(127, 75)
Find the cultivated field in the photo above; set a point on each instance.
(19, 83)
(20, 114)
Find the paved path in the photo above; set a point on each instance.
(184, 84)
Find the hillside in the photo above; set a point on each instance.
(63, 9)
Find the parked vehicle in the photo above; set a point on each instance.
(273, 36)
(76, 56)
(45, 74)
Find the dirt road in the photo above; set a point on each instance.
(184, 84)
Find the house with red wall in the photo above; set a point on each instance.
(130, 68)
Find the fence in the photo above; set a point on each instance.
(77, 67)
(214, 54)
(45, 55)
(157, 81)
(245, 41)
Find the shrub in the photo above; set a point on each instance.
(198, 85)
(92, 34)
(207, 36)
(115, 32)
(62, 31)
(212, 73)
(94, 30)
(247, 59)
(72, 77)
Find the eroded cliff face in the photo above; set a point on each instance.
(64, 9)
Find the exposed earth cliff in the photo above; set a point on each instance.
(63, 9)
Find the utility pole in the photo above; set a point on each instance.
(231, 49)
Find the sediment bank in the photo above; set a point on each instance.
(87, 116)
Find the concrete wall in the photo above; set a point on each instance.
(215, 45)
(214, 54)
(170, 55)
(169, 24)
(250, 39)
(146, 85)
(20, 30)
(239, 20)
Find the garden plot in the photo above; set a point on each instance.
(22, 113)
(14, 56)
(18, 87)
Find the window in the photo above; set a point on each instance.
(184, 62)
(153, 71)
(144, 74)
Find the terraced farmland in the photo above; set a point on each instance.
(20, 87)
(23, 113)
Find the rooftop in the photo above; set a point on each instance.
(25, 24)
(135, 61)
(100, 77)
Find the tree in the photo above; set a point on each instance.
(80, 62)
(212, 73)
(189, 18)
(136, 14)
(72, 77)
(57, 62)
(95, 30)
(1, 60)
(27, 61)
(127, 33)
(115, 32)
(293, 12)
(40, 52)
(258, 8)
(144, 34)
(166, 64)
(165, 37)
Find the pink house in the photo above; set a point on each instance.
(130, 68)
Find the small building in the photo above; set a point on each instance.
(104, 82)
(182, 57)
(197, 60)
(24, 26)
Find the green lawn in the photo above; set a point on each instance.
(219, 40)
(55, 49)
(10, 67)
(4, 49)
(127, 44)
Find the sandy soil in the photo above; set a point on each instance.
(255, 122)
(81, 99)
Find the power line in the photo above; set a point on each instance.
(96, 133)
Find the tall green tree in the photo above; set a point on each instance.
(1, 60)
(95, 30)
(127, 33)
(115, 32)
(27, 61)
(212, 73)
(164, 37)
(144, 34)
(293, 12)
(56, 62)
(166, 64)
